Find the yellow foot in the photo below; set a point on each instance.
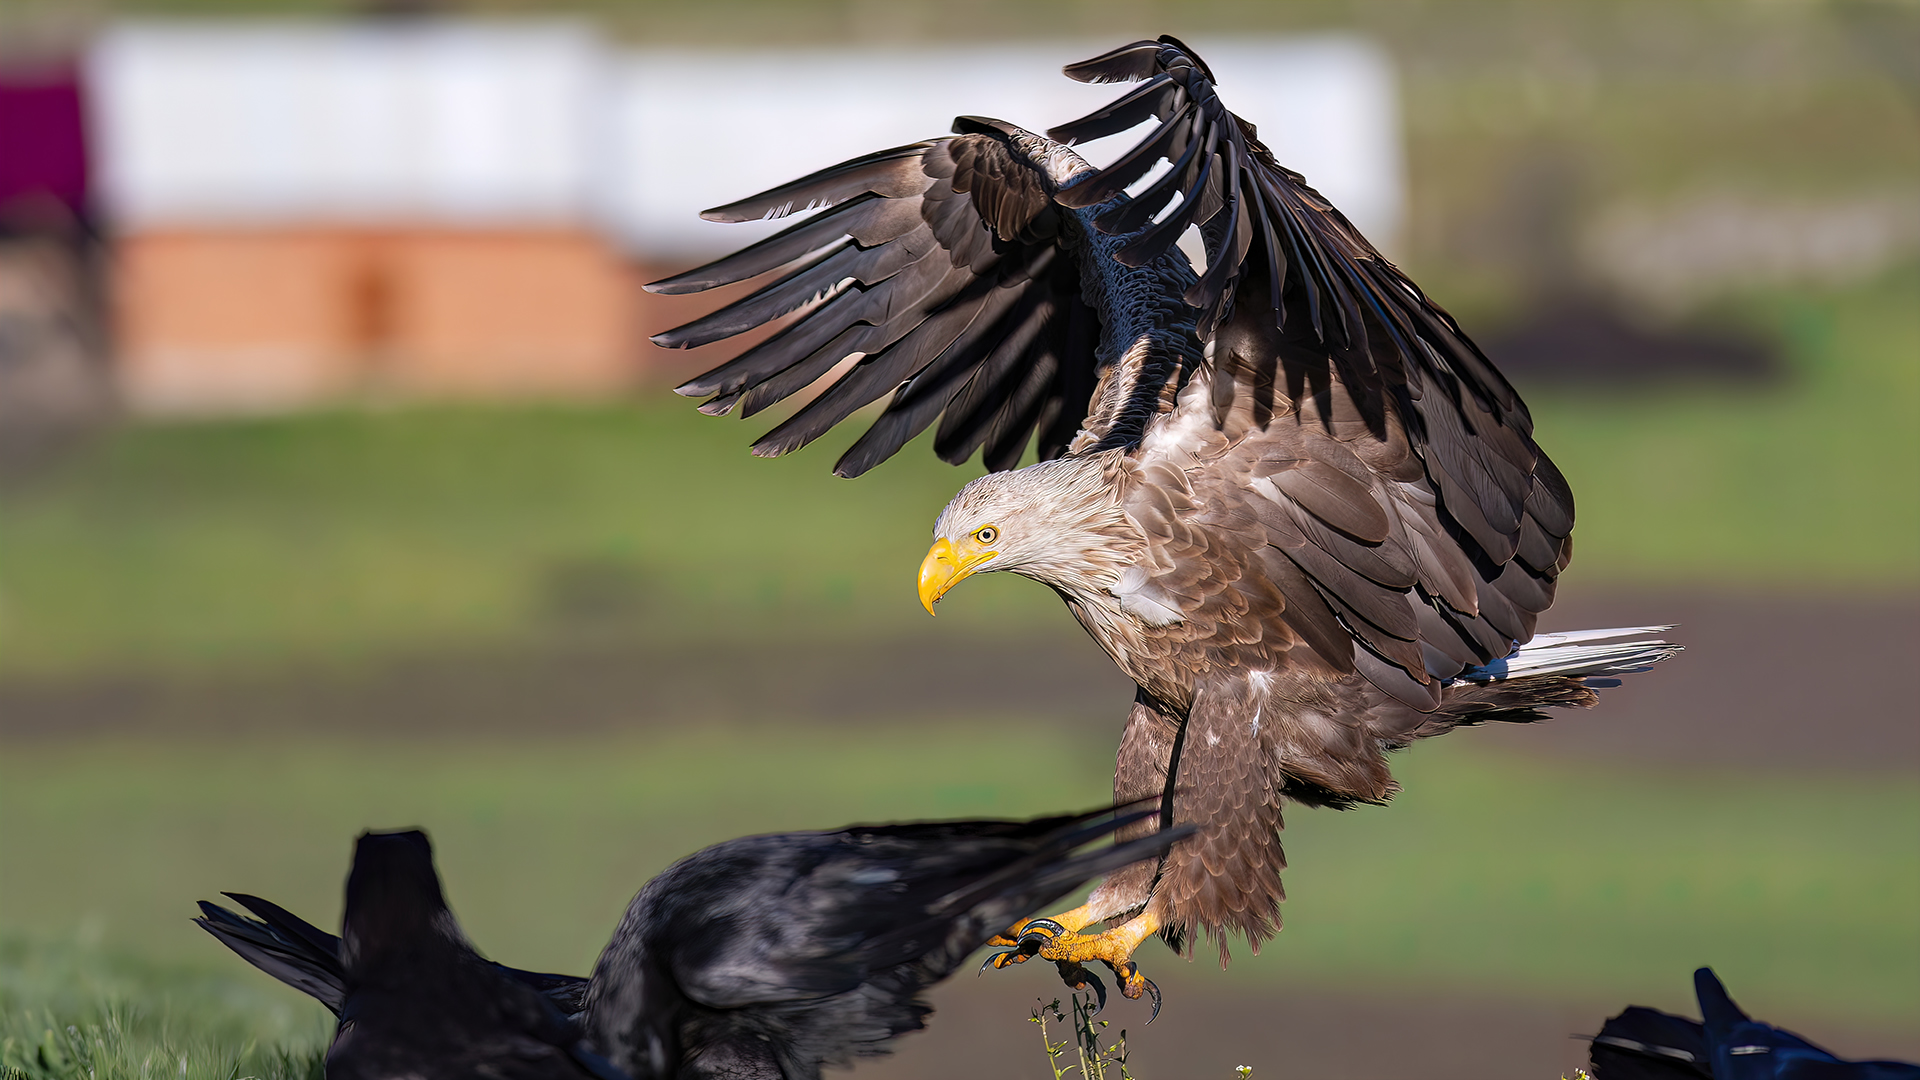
(1058, 939)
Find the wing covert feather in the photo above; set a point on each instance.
(1394, 468)
(939, 268)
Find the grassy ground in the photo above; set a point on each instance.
(215, 550)
(1796, 888)
(211, 546)
(1798, 486)
(70, 1012)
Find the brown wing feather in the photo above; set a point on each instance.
(1393, 468)
(938, 265)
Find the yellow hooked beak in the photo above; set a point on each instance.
(944, 566)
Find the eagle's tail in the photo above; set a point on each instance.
(1563, 670)
(1593, 656)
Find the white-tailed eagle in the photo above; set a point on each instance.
(1286, 493)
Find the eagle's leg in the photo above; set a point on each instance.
(1140, 772)
(1054, 939)
(1066, 922)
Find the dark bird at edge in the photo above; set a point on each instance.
(761, 958)
(1647, 1044)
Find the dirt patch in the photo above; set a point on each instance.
(1800, 682)
(604, 684)
(1297, 1032)
(1793, 681)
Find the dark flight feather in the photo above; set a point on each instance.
(892, 174)
(946, 236)
(867, 219)
(1157, 98)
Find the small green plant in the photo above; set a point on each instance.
(1082, 1052)
(1087, 1058)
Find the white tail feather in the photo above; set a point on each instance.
(1578, 652)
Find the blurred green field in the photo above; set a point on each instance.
(1509, 876)
(222, 550)
(357, 535)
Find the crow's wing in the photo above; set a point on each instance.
(1647, 1044)
(940, 267)
(819, 944)
(830, 909)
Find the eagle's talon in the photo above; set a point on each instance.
(992, 960)
(1133, 984)
(1041, 932)
(1007, 959)
(1060, 940)
(1079, 978)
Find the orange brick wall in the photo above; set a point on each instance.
(219, 320)
(216, 321)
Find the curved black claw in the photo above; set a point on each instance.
(1019, 956)
(1079, 978)
(1041, 932)
(1154, 993)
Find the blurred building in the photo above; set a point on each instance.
(304, 212)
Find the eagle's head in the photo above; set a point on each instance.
(1058, 522)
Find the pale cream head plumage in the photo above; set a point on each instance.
(1058, 522)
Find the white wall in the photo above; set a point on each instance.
(220, 123)
(700, 128)
(539, 123)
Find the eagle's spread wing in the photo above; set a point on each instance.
(939, 266)
(1413, 527)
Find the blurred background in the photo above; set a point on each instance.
(339, 487)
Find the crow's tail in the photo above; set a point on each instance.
(307, 958)
(281, 944)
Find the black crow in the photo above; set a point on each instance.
(762, 958)
(1646, 1044)
(413, 997)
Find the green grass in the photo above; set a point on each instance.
(209, 545)
(1801, 486)
(361, 534)
(1511, 876)
(71, 1012)
(213, 549)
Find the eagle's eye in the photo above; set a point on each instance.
(987, 535)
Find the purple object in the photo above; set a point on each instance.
(43, 147)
